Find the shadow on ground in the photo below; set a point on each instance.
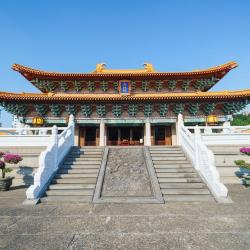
(196, 225)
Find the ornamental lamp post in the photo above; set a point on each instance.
(212, 119)
(38, 121)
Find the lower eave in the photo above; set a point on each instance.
(51, 97)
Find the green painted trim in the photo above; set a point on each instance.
(90, 121)
(123, 121)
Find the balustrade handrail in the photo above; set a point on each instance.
(28, 131)
(202, 158)
(51, 158)
(31, 128)
(218, 127)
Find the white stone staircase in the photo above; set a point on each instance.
(177, 178)
(75, 180)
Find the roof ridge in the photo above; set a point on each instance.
(22, 68)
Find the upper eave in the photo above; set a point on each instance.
(30, 74)
(59, 97)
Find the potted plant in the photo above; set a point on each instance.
(247, 180)
(6, 182)
(244, 167)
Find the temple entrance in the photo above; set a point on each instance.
(162, 135)
(89, 136)
(125, 136)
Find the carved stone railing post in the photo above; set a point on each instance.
(197, 139)
(102, 133)
(147, 133)
(71, 124)
(226, 127)
(179, 124)
(208, 130)
(54, 139)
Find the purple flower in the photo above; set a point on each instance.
(12, 158)
(2, 164)
(245, 151)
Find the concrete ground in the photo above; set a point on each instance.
(125, 226)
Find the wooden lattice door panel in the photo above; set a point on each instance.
(168, 135)
(81, 136)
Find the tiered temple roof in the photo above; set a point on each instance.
(131, 93)
(147, 73)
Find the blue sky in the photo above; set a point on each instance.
(72, 36)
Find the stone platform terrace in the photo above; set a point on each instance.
(196, 225)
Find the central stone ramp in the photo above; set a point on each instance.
(177, 178)
(127, 176)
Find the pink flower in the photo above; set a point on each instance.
(12, 158)
(245, 151)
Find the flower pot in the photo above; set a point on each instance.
(244, 170)
(5, 183)
(247, 180)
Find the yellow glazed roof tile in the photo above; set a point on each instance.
(8, 96)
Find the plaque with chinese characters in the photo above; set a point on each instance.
(124, 87)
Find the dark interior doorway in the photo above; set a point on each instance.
(88, 136)
(125, 135)
(162, 135)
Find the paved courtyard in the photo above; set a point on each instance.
(125, 226)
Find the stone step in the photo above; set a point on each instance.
(158, 148)
(179, 191)
(78, 171)
(62, 176)
(86, 152)
(84, 158)
(182, 185)
(188, 198)
(66, 199)
(83, 162)
(80, 166)
(169, 158)
(181, 180)
(167, 154)
(88, 149)
(176, 151)
(176, 175)
(71, 186)
(74, 181)
(174, 170)
(90, 153)
(79, 161)
(177, 165)
(164, 147)
(66, 192)
(170, 162)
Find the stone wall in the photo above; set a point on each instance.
(25, 170)
(225, 155)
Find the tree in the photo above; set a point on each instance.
(241, 120)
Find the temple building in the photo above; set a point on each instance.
(124, 107)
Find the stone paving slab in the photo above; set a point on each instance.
(196, 225)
